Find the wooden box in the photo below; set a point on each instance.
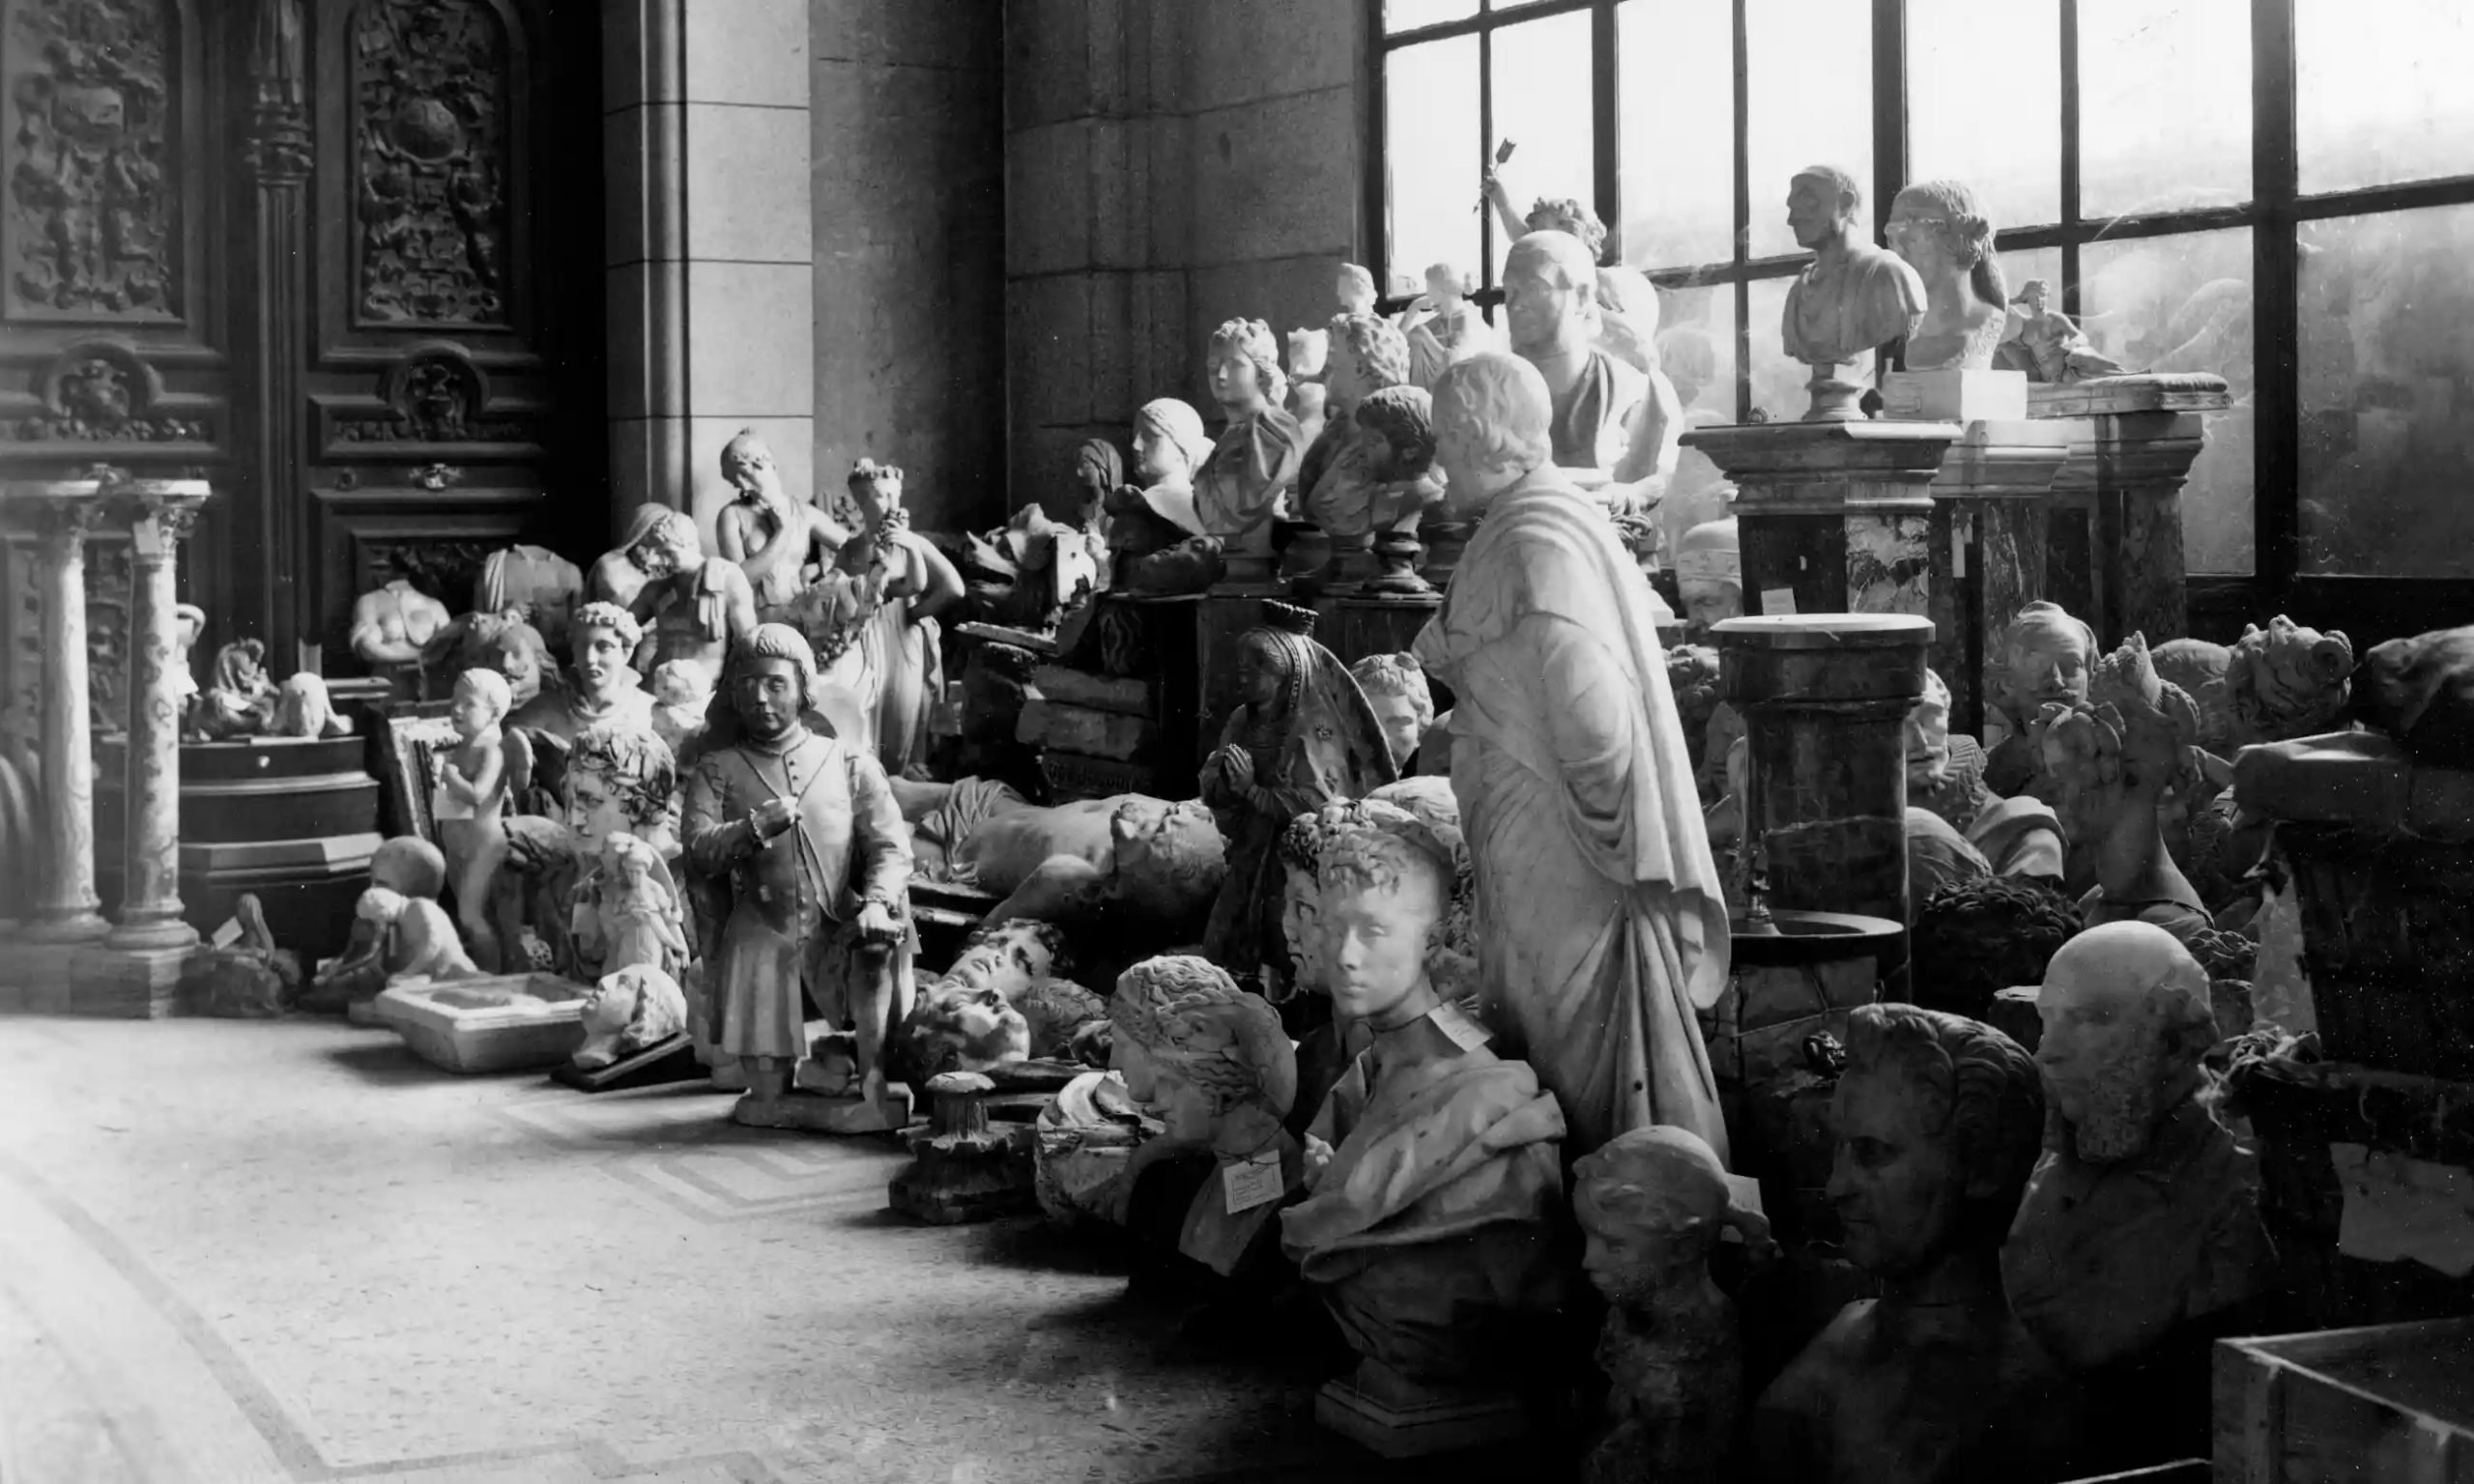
(2347, 1406)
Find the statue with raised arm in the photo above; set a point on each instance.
(1852, 299)
(2043, 341)
(779, 541)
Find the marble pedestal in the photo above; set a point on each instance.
(1992, 514)
(1833, 517)
(1389, 1414)
(1824, 700)
(2116, 526)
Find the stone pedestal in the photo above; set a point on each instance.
(1391, 1415)
(1833, 517)
(1362, 623)
(1992, 515)
(2117, 543)
(1823, 700)
(63, 512)
(964, 1167)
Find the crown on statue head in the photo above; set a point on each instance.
(1289, 618)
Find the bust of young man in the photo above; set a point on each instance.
(1434, 1165)
(602, 686)
(1851, 297)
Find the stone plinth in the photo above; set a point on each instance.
(507, 1022)
(1833, 517)
(2117, 542)
(1992, 517)
(1823, 700)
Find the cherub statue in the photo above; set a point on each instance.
(1156, 540)
(2114, 760)
(2044, 343)
(1654, 1203)
(304, 709)
(778, 540)
(238, 700)
(1254, 460)
(416, 938)
(488, 765)
(627, 1011)
(628, 912)
(1302, 737)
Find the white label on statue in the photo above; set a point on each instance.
(1250, 1183)
(147, 535)
(1778, 602)
(2399, 1207)
(229, 933)
(1744, 1193)
(1466, 1034)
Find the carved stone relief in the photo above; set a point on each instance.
(434, 399)
(92, 224)
(111, 592)
(430, 162)
(99, 394)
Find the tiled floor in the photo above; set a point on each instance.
(240, 1251)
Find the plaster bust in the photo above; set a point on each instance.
(2113, 766)
(1550, 306)
(1709, 573)
(1354, 289)
(1255, 458)
(602, 684)
(1936, 1119)
(2045, 657)
(1852, 298)
(629, 1011)
(2142, 1215)
(1653, 1204)
(1941, 230)
(1395, 687)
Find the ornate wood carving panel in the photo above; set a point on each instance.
(431, 163)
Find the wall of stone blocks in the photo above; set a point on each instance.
(1168, 165)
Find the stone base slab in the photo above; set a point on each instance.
(35, 977)
(1401, 1427)
(129, 983)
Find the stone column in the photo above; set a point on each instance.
(162, 513)
(2117, 545)
(65, 513)
(272, 521)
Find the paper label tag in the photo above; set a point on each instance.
(146, 533)
(1744, 1193)
(229, 933)
(1250, 1183)
(1778, 602)
(1466, 1034)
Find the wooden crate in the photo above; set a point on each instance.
(2391, 1402)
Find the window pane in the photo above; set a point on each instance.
(2164, 104)
(1778, 382)
(2019, 266)
(1809, 102)
(1677, 64)
(2384, 91)
(1409, 14)
(1431, 155)
(1697, 351)
(2387, 371)
(1542, 89)
(1984, 102)
(2183, 303)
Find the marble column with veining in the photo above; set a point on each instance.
(65, 908)
(162, 512)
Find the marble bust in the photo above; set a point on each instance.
(779, 541)
(1254, 460)
(1851, 297)
(602, 684)
(2046, 655)
(1936, 1120)
(1550, 306)
(1434, 1165)
(1709, 573)
(2142, 1215)
(627, 1011)
(1941, 232)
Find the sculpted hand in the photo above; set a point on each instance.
(771, 818)
(1318, 1158)
(876, 924)
(1237, 764)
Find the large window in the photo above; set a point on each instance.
(2278, 191)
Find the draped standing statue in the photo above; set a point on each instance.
(1601, 923)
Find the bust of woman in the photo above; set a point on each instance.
(1256, 456)
(1942, 233)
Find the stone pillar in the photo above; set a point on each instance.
(1834, 517)
(162, 513)
(66, 911)
(2117, 547)
(1992, 512)
(273, 521)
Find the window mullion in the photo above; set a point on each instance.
(2071, 234)
(2276, 300)
(1743, 218)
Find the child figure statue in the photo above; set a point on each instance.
(1654, 1203)
(801, 838)
(475, 781)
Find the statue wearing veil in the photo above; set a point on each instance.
(1601, 923)
(1303, 736)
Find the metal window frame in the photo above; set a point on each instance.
(2369, 604)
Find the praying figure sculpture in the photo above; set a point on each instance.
(1602, 922)
(1434, 1165)
(2115, 761)
(1936, 1119)
(694, 607)
(487, 766)
(803, 845)
(779, 541)
(1941, 230)
(2043, 342)
(2139, 1240)
(1654, 1203)
(1610, 422)
(1255, 459)
(1852, 299)
(1302, 737)
(1211, 1063)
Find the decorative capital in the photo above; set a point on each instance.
(65, 514)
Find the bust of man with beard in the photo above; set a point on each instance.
(2138, 1241)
